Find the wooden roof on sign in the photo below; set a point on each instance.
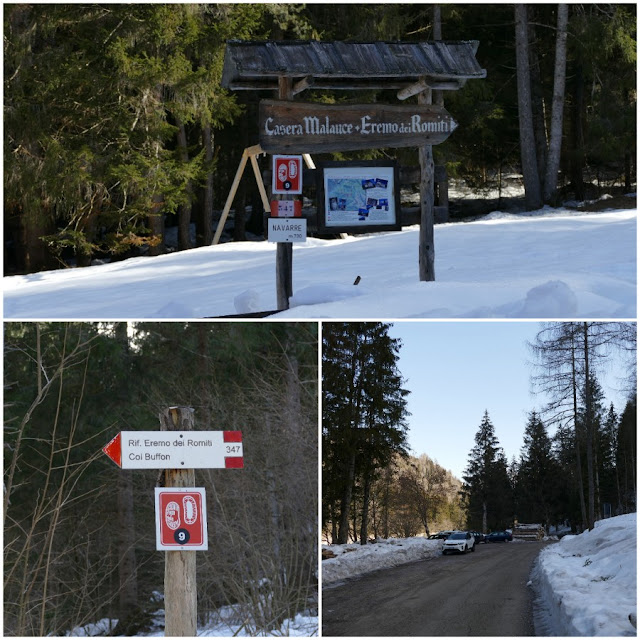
(350, 65)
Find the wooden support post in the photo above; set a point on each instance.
(263, 193)
(230, 197)
(426, 249)
(284, 250)
(180, 595)
(248, 153)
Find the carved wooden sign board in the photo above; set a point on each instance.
(293, 127)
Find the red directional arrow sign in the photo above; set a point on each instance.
(114, 450)
(177, 450)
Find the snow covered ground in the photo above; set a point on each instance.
(354, 560)
(586, 584)
(552, 263)
(227, 623)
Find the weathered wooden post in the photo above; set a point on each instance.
(284, 250)
(180, 530)
(180, 595)
(426, 247)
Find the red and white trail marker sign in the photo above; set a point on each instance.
(287, 175)
(181, 519)
(176, 450)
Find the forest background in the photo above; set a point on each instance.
(79, 532)
(577, 463)
(116, 126)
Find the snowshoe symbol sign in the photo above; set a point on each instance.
(172, 515)
(181, 519)
(287, 174)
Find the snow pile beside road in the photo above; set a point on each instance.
(354, 560)
(586, 584)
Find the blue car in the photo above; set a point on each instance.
(499, 536)
(480, 537)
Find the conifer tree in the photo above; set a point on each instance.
(364, 414)
(607, 444)
(486, 488)
(627, 457)
(538, 475)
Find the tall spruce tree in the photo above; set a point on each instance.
(364, 415)
(607, 444)
(538, 475)
(486, 487)
(627, 457)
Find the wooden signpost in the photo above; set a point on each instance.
(410, 68)
(179, 450)
(295, 127)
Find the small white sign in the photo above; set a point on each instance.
(287, 229)
(177, 450)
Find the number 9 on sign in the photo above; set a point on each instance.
(181, 536)
(181, 518)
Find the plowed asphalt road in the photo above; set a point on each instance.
(483, 593)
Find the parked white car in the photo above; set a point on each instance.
(460, 542)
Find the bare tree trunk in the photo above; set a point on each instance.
(184, 215)
(128, 609)
(557, 106)
(156, 224)
(627, 172)
(589, 426)
(577, 158)
(583, 506)
(364, 524)
(537, 98)
(345, 502)
(206, 225)
(533, 196)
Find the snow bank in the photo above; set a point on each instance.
(354, 560)
(586, 584)
(227, 622)
(550, 263)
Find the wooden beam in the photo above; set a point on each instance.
(248, 153)
(260, 183)
(230, 197)
(347, 84)
(254, 150)
(429, 83)
(302, 85)
(413, 89)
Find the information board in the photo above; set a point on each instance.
(358, 197)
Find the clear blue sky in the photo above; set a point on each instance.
(456, 370)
